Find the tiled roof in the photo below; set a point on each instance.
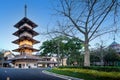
(25, 47)
(114, 44)
(26, 57)
(25, 37)
(25, 20)
(47, 62)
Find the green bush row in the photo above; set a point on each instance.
(99, 68)
(87, 74)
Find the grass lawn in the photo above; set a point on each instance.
(87, 74)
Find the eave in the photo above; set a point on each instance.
(31, 31)
(25, 38)
(25, 20)
(18, 50)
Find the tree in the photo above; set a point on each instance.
(68, 47)
(73, 47)
(2, 56)
(51, 46)
(84, 19)
(106, 56)
(99, 53)
(111, 57)
(55, 46)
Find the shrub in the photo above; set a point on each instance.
(88, 74)
(99, 68)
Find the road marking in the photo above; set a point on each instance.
(8, 78)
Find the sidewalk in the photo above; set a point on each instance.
(61, 76)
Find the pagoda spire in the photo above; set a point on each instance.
(114, 35)
(25, 10)
(114, 38)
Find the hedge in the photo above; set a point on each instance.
(88, 74)
(99, 68)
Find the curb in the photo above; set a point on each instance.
(61, 76)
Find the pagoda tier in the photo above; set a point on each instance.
(27, 39)
(25, 49)
(27, 21)
(25, 35)
(27, 31)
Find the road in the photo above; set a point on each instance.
(25, 74)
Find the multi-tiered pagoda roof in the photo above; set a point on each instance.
(25, 34)
(25, 20)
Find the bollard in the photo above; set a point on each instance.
(8, 78)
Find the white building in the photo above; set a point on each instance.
(115, 46)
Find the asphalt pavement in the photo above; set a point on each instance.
(25, 74)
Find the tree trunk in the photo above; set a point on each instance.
(58, 55)
(62, 62)
(87, 53)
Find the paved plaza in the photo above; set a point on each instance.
(25, 74)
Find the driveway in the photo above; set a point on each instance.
(25, 74)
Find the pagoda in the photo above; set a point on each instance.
(25, 34)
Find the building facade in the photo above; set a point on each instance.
(115, 46)
(25, 34)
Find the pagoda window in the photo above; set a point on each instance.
(25, 42)
(26, 26)
(26, 34)
(22, 52)
(28, 51)
(25, 46)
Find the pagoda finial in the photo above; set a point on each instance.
(25, 10)
(114, 34)
(114, 38)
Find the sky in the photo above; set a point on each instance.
(12, 11)
(39, 11)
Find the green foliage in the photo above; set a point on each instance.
(51, 46)
(111, 56)
(94, 58)
(74, 46)
(68, 47)
(87, 74)
(1, 54)
(98, 68)
(73, 74)
(48, 47)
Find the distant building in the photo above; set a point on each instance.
(4, 62)
(115, 46)
(47, 62)
(9, 55)
(63, 62)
